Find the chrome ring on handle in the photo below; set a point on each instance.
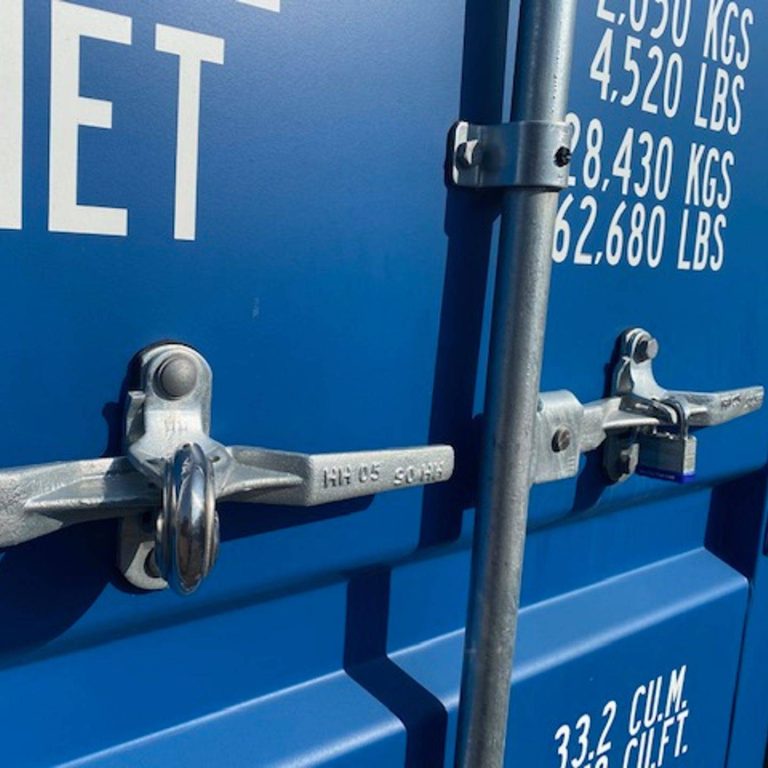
(187, 529)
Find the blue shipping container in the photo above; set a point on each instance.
(266, 181)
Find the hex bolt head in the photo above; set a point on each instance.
(469, 154)
(176, 377)
(561, 440)
(563, 156)
(646, 349)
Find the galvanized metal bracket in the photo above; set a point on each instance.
(645, 427)
(524, 154)
(167, 485)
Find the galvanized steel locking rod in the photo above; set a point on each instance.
(541, 84)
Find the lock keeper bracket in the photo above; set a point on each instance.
(531, 154)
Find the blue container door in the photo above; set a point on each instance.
(262, 181)
(636, 594)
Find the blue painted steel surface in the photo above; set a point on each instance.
(338, 291)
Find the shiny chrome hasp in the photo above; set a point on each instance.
(174, 466)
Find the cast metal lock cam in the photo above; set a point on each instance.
(172, 464)
(645, 428)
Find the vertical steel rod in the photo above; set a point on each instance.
(540, 92)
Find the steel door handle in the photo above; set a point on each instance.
(174, 466)
(644, 426)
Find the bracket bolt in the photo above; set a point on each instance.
(469, 154)
(561, 440)
(176, 377)
(563, 156)
(646, 349)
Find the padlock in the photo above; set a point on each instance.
(669, 452)
(667, 456)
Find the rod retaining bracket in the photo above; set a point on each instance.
(531, 154)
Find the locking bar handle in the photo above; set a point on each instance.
(645, 427)
(41, 499)
(174, 468)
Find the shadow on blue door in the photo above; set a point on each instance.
(469, 223)
(367, 663)
(48, 584)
